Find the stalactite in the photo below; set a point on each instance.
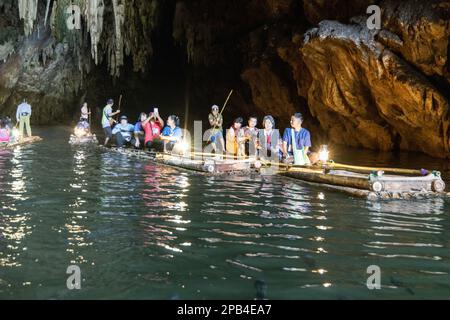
(6, 50)
(113, 28)
(28, 13)
(117, 54)
(183, 30)
(94, 19)
(47, 10)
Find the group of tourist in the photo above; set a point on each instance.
(149, 132)
(248, 140)
(152, 132)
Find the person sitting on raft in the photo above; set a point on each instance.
(13, 133)
(297, 143)
(139, 134)
(172, 134)
(124, 133)
(269, 142)
(236, 139)
(216, 123)
(8, 123)
(251, 136)
(5, 133)
(83, 128)
(152, 127)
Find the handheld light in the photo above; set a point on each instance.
(184, 146)
(79, 132)
(324, 154)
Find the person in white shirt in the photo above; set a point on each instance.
(269, 140)
(23, 116)
(85, 112)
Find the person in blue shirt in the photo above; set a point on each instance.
(139, 134)
(172, 134)
(124, 133)
(302, 138)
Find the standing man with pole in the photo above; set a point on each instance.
(107, 120)
(23, 116)
(216, 121)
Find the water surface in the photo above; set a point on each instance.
(143, 231)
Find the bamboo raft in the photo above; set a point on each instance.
(375, 183)
(372, 183)
(85, 140)
(209, 165)
(22, 142)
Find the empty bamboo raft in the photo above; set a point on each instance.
(376, 184)
(22, 142)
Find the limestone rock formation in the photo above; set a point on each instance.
(341, 10)
(423, 31)
(28, 13)
(385, 89)
(365, 95)
(50, 62)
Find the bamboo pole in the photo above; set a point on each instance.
(118, 108)
(90, 118)
(214, 131)
(343, 181)
(361, 169)
(352, 168)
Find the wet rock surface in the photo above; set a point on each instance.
(367, 96)
(423, 30)
(341, 10)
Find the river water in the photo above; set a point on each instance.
(143, 231)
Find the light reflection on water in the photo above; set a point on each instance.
(138, 230)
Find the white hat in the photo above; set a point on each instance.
(215, 107)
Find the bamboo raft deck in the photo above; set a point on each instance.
(23, 142)
(372, 183)
(209, 165)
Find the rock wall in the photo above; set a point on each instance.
(385, 89)
(50, 64)
(379, 89)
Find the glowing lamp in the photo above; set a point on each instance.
(324, 154)
(184, 146)
(79, 132)
(15, 133)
